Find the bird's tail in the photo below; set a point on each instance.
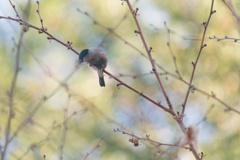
(101, 78)
(101, 82)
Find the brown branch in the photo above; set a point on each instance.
(14, 7)
(180, 122)
(148, 139)
(138, 92)
(190, 86)
(225, 38)
(41, 20)
(40, 30)
(213, 96)
(148, 50)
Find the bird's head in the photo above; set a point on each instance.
(82, 55)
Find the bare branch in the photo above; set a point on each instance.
(148, 50)
(97, 146)
(138, 92)
(202, 45)
(136, 143)
(65, 126)
(14, 7)
(171, 51)
(41, 20)
(234, 12)
(225, 38)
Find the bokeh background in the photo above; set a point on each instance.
(58, 104)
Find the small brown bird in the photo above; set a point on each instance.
(97, 59)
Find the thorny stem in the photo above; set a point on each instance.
(154, 69)
(190, 86)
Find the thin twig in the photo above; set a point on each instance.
(213, 96)
(225, 38)
(192, 38)
(171, 51)
(11, 95)
(138, 92)
(147, 139)
(50, 36)
(49, 135)
(13, 86)
(41, 20)
(206, 114)
(202, 45)
(40, 103)
(96, 146)
(43, 66)
(234, 12)
(65, 127)
(137, 75)
(14, 7)
(110, 30)
(148, 50)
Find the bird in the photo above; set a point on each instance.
(97, 59)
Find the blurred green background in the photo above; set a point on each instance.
(94, 111)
